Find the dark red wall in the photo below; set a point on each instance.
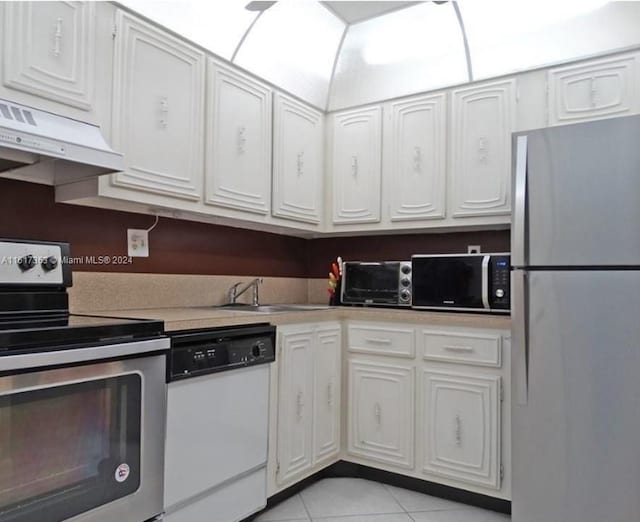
(28, 211)
(398, 247)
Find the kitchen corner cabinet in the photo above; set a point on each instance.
(461, 427)
(482, 120)
(298, 150)
(159, 89)
(309, 399)
(356, 165)
(381, 412)
(415, 146)
(49, 51)
(238, 152)
(593, 90)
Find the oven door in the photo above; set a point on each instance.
(83, 443)
(452, 282)
(370, 283)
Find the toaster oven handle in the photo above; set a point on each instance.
(485, 282)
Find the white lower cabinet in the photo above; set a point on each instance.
(381, 412)
(295, 414)
(460, 429)
(308, 399)
(431, 403)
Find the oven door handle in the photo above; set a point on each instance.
(28, 361)
(485, 282)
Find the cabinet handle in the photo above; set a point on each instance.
(594, 92)
(483, 150)
(300, 163)
(299, 405)
(330, 394)
(417, 159)
(378, 340)
(57, 37)
(466, 349)
(377, 411)
(164, 112)
(242, 139)
(458, 430)
(354, 165)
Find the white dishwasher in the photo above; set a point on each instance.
(217, 423)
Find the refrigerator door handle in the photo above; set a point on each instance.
(519, 337)
(518, 255)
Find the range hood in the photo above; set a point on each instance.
(47, 148)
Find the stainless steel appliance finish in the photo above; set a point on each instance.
(462, 282)
(145, 501)
(386, 283)
(575, 354)
(52, 148)
(82, 400)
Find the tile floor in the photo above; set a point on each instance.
(358, 500)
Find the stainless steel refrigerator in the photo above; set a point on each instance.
(576, 323)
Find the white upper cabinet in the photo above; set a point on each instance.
(158, 120)
(298, 151)
(415, 142)
(356, 165)
(48, 50)
(482, 120)
(461, 427)
(592, 90)
(238, 164)
(327, 407)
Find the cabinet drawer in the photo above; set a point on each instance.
(382, 340)
(479, 349)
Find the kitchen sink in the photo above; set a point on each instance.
(274, 308)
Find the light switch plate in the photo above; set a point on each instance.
(138, 242)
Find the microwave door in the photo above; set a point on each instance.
(451, 282)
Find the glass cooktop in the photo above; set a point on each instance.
(53, 331)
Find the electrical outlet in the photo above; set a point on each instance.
(138, 242)
(473, 249)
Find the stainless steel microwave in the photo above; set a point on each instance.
(386, 283)
(462, 282)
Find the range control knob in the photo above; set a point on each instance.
(406, 269)
(405, 281)
(499, 292)
(50, 263)
(27, 262)
(257, 349)
(405, 296)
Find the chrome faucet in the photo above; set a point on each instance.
(234, 292)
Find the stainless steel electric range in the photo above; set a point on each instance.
(82, 400)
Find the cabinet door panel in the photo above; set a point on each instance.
(600, 89)
(381, 413)
(327, 394)
(461, 430)
(416, 170)
(482, 120)
(295, 417)
(297, 161)
(356, 164)
(49, 50)
(158, 103)
(239, 142)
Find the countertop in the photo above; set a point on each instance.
(186, 318)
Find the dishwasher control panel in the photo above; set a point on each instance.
(200, 352)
